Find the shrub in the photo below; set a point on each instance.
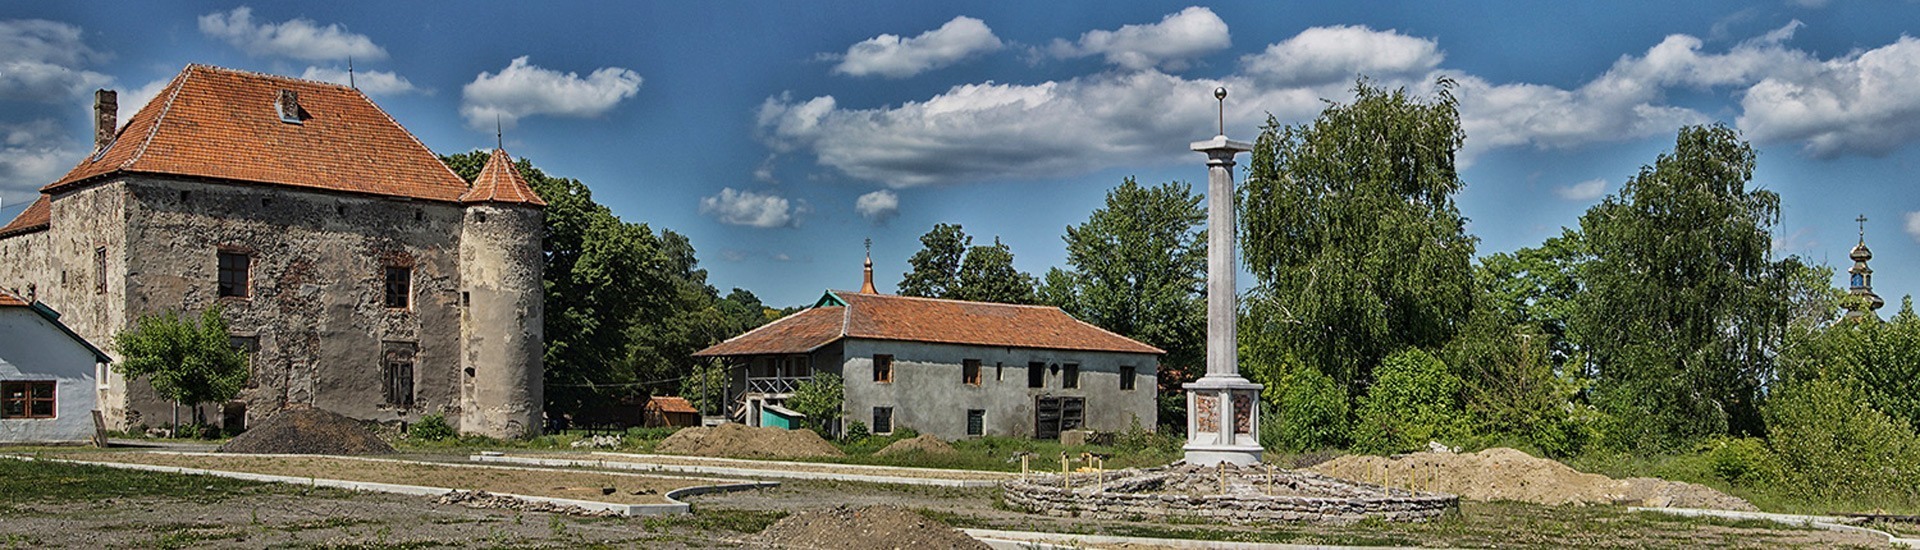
(432, 427)
(1743, 461)
(819, 399)
(1414, 400)
(856, 431)
(1832, 445)
(1309, 411)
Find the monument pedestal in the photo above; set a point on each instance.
(1223, 421)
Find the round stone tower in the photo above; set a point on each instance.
(501, 298)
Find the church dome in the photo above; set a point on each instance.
(1860, 253)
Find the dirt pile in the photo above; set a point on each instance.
(1507, 474)
(869, 528)
(308, 431)
(740, 441)
(924, 444)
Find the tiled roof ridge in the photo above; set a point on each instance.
(403, 130)
(36, 217)
(794, 315)
(948, 300)
(498, 179)
(1109, 332)
(268, 76)
(173, 91)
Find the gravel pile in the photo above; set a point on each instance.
(869, 528)
(483, 499)
(308, 431)
(924, 444)
(1508, 474)
(740, 441)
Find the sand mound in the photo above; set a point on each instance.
(870, 528)
(1507, 474)
(924, 444)
(308, 431)
(740, 441)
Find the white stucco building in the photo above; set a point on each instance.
(48, 376)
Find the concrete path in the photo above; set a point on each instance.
(1031, 539)
(762, 469)
(1830, 523)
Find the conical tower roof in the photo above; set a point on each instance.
(500, 182)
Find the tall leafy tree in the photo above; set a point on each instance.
(190, 361)
(935, 269)
(1349, 226)
(1138, 267)
(1683, 305)
(987, 275)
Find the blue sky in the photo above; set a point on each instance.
(778, 135)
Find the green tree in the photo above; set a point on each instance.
(1683, 306)
(935, 269)
(1833, 445)
(188, 361)
(1308, 410)
(819, 399)
(1350, 228)
(1415, 400)
(1881, 358)
(1533, 289)
(1137, 267)
(987, 275)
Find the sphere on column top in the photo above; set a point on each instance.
(1220, 92)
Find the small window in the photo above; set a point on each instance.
(883, 420)
(976, 421)
(1859, 280)
(999, 371)
(970, 371)
(883, 369)
(233, 274)
(251, 346)
(398, 376)
(100, 270)
(27, 399)
(1036, 375)
(399, 286)
(1070, 376)
(1126, 378)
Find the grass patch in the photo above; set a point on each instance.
(42, 481)
(716, 519)
(1775, 496)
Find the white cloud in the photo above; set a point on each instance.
(43, 61)
(878, 206)
(897, 57)
(1323, 55)
(764, 172)
(33, 154)
(1913, 225)
(1862, 103)
(371, 82)
(131, 101)
(1171, 44)
(751, 209)
(301, 39)
(523, 89)
(1583, 191)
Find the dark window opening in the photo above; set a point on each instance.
(882, 369)
(1126, 378)
(251, 346)
(233, 274)
(1070, 376)
(970, 371)
(1036, 375)
(1052, 415)
(999, 371)
(24, 399)
(100, 270)
(397, 376)
(466, 298)
(883, 420)
(976, 422)
(399, 286)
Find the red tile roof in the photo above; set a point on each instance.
(222, 123)
(36, 217)
(885, 317)
(673, 405)
(8, 299)
(500, 182)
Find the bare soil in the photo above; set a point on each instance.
(308, 431)
(735, 440)
(925, 443)
(867, 528)
(1507, 474)
(573, 484)
(809, 467)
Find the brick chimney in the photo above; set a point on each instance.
(106, 115)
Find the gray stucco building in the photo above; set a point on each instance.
(360, 273)
(949, 368)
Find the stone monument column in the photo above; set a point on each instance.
(1223, 409)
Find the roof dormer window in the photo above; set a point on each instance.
(289, 106)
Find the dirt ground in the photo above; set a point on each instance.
(628, 488)
(740, 441)
(1507, 474)
(811, 467)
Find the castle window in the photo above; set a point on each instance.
(233, 274)
(970, 372)
(397, 375)
(1126, 378)
(399, 286)
(883, 368)
(1071, 377)
(251, 346)
(882, 420)
(100, 270)
(27, 399)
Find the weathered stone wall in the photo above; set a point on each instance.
(61, 268)
(316, 304)
(501, 264)
(1302, 497)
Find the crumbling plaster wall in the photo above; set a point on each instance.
(929, 395)
(317, 278)
(502, 376)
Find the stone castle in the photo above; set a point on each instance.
(360, 273)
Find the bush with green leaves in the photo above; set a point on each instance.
(1307, 410)
(1833, 445)
(1414, 400)
(855, 432)
(188, 361)
(819, 399)
(1743, 461)
(432, 427)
